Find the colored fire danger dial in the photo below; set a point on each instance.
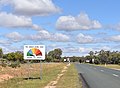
(34, 52)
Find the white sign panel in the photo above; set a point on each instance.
(34, 52)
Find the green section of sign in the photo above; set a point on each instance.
(28, 54)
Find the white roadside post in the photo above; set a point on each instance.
(35, 52)
(93, 61)
(68, 59)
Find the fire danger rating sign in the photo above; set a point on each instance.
(34, 52)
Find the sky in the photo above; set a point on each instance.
(75, 26)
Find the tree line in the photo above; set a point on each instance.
(104, 57)
(96, 57)
(14, 59)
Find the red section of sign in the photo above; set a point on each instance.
(38, 52)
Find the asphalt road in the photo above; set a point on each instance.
(99, 77)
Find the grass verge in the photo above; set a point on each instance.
(49, 73)
(70, 79)
(111, 66)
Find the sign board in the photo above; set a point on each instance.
(34, 52)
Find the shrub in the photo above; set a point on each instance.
(15, 64)
(3, 63)
(119, 63)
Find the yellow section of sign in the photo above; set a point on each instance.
(33, 50)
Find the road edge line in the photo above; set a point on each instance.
(84, 82)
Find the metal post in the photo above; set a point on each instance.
(28, 69)
(40, 70)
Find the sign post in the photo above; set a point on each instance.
(40, 70)
(35, 52)
(28, 69)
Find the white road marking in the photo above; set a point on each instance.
(115, 75)
(102, 70)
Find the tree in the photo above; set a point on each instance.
(18, 56)
(55, 55)
(11, 56)
(103, 56)
(1, 53)
(115, 57)
(14, 56)
(49, 59)
(91, 53)
(51, 53)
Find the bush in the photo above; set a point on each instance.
(3, 63)
(97, 61)
(48, 59)
(118, 63)
(15, 64)
(56, 60)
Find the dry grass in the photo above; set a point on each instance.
(112, 66)
(70, 79)
(49, 72)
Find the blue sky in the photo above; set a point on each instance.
(75, 26)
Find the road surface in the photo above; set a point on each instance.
(99, 77)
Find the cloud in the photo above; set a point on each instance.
(115, 26)
(10, 20)
(32, 7)
(37, 27)
(5, 49)
(41, 35)
(14, 36)
(4, 42)
(115, 38)
(45, 35)
(80, 22)
(76, 51)
(8, 49)
(81, 38)
(70, 49)
(59, 37)
(13, 21)
(80, 51)
(105, 48)
(117, 47)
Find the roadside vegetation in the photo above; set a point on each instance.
(50, 72)
(14, 59)
(98, 57)
(104, 57)
(70, 79)
(20, 75)
(13, 65)
(112, 66)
